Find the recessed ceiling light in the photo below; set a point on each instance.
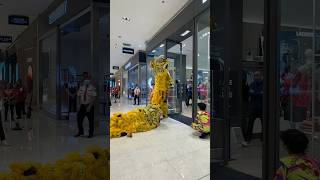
(161, 45)
(185, 33)
(204, 1)
(126, 19)
(154, 51)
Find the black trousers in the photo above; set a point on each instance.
(2, 134)
(20, 109)
(6, 110)
(81, 115)
(254, 114)
(135, 99)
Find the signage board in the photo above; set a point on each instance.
(115, 67)
(126, 50)
(18, 20)
(5, 39)
(60, 11)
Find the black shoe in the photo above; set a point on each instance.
(78, 135)
(203, 135)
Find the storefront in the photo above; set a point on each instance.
(134, 74)
(185, 42)
(216, 50)
(73, 38)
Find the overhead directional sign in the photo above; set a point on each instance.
(18, 20)
(5, 39)
(127, 50)
(116, 67)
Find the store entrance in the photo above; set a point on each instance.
(180, 95)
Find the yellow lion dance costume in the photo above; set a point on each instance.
(145, 119)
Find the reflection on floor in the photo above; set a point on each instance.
(171, 151)
(51, 140)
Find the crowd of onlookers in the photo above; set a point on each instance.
(13, 99)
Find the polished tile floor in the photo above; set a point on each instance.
(172, 151)
(48, 141)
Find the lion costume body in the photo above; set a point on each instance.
(145, 119)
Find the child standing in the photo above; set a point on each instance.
(202, 123)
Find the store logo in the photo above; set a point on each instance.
(127, 50)
(5, 39)
(18, 20)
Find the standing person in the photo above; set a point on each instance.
(20, 99)
(189, 95)
(87, 94)
(137, 92)
(8, 102)
(2, 134)
(256, 107)
(297, 165)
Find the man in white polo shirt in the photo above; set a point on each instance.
(87, 95)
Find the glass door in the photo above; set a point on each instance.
(178, 72)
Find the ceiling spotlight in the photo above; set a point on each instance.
(204, 1)
(185, 33)
(154, 51)
(126, 19)
(161, 45)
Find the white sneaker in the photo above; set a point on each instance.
(244, 144)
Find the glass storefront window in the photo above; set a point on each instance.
(75, 43)
(203, 60)
(299, 73)
(48, 73)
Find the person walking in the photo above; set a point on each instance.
(255, 101)
(87, 94)
(137, 92)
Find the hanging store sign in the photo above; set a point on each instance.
(18, 20)
(5, 39)
(115, 67)
(60, 11)
(127, 50)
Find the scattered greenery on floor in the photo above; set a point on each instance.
(92, 165)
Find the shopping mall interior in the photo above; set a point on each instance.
(158, 89)
(49, 48)
(217, 56)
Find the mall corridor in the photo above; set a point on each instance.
(172, 151)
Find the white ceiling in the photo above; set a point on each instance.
(147, 17)
(30, 8)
